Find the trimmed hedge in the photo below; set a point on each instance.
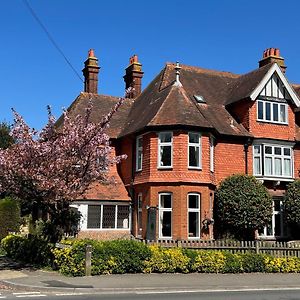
(126, 256)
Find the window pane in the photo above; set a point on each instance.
(140, 142)
(277, 151)
(165, 137)
(123, 216)
(277, 205)
(257, 170)
(278, 170)
(94, 215)
(283, 113)
(256, 149)
(166, 201)
(275, 112)
(194, 156)
(139, 159)
(278, 225)
(165, 156)
(287, 167)
(194, 138)
(268, 111)
(268, 150)
(287, 151)
(193, 201)
(166, 225)
(193, 224)
(109, 216)
(268, 166)
(260, 110)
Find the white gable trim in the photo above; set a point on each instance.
(273, 69)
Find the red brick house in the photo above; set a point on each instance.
(184, 133)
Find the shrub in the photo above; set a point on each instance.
(167, 261)
(242, 205)
(291, 208)
(108, 257)
(33, 249)
(209, 262)
(10, 219)
(233, 263)
(252, 262)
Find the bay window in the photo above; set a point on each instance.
(165, 149)
(273, 161)
(194, 150)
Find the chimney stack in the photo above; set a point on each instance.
(272, 55)
(90, 73)
(133, 77)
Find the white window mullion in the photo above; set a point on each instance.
(101, 217)
(116, 217)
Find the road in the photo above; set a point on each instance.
(188, 295)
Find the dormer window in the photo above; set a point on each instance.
(273, 112)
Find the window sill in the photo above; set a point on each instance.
(195, 168)
(138, 171)
(273, 178)
(165, 168)
(272, 123)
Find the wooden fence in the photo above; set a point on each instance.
(277, 249)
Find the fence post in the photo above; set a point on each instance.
(256, 247)
(88, 260)
(179, 243)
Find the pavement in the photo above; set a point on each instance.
(22, 277)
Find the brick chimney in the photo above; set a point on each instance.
(90, 73)
(272, 55)
(133, 77)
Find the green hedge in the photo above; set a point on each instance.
(125, 256)
(32, 249)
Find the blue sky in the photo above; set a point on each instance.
(227, 35)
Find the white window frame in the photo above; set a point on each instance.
(263, 119)
(101, 218)
(197, 145)
(160, 214)
(263, 157)
(196, 210)
(164, 144)
(211, 154)
(264, 233)
(139, 214)
(139, 154)
(259, 156)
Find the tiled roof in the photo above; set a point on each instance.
(164, 104)
(102, 105)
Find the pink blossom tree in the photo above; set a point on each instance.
(58, 163)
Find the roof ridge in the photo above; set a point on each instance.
(204, 70)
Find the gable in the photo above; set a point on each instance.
(275, 88)
(275, 85)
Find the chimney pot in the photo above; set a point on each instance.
(272, 55)
(133, 77)
(91, 53)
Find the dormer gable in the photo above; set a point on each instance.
(274, 86)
